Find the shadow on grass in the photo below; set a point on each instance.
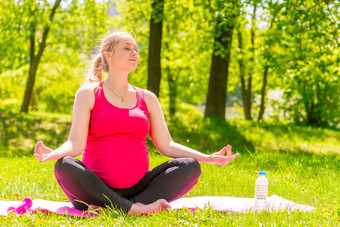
(286, 161)
(19, 132)
(208, 135)
(291, 138)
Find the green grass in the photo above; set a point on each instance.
(302, 178)
(303, 166)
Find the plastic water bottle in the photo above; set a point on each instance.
(261, 192)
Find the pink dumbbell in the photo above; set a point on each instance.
(22, 207)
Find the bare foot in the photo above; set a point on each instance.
(139, 208)
(95, 208)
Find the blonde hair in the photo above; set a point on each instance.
(100, 65)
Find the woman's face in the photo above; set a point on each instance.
(125, 55)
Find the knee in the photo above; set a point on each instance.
(64, 165)
(193, 168)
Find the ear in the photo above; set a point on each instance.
(107, 55)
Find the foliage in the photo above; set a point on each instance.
(54, 90)
(297, 43)
(14, 45)
(311, 79)
(296, 40)
(74, 31)
(182, 40)
(133, 16)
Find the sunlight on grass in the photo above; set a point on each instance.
(303, 178)
(295, 139)
(303, 165)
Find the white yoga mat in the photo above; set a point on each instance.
(218, 203)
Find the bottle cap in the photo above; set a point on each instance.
(262, 173)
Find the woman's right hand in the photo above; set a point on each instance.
(44, 153)
(139, 208)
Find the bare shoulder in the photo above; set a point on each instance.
(150, 95)
(85, 95)
(151, 100)
(86, 90)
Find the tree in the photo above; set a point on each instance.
(72, 36)
(269, 37)
(246, 84)
(185, 29)
(155, 45)
(11, 56)
(35, 56)
(310, 36)
(226, 15)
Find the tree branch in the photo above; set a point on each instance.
(42, 44)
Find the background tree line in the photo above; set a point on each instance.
(278, 60)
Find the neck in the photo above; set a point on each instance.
(117, 80)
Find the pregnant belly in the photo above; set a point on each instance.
(120, 161)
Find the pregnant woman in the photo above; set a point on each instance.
(111, 120)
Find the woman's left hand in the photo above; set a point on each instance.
(219, 158)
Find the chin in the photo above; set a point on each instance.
(132, 69)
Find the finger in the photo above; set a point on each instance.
(229, 152)
(37, 156)
(37, 149)
(223, 151)
(44, 158)
(225, 162)
(230, 158)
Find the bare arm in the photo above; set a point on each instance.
(76, 142)
(161, 137)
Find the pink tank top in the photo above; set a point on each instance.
(116, 143)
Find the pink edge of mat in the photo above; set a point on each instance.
(63, 208)
(218, 203)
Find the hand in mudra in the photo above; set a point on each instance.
(44, 153)
(219, 157)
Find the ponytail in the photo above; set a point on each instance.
(95, 74)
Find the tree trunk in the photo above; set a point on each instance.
(268, 44)
(217, 91)
(244, 89)
(155, 44)
(29, 86)
(35, 58)
(263, 94)
(314, 115)
(173, 94)
(248, 95)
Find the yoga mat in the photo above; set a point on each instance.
(236, 204)
(46, 206)
(218, 203)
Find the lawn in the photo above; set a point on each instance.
(303, 166)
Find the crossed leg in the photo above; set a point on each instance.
(169, 181)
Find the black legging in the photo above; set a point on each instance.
(168, 181)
